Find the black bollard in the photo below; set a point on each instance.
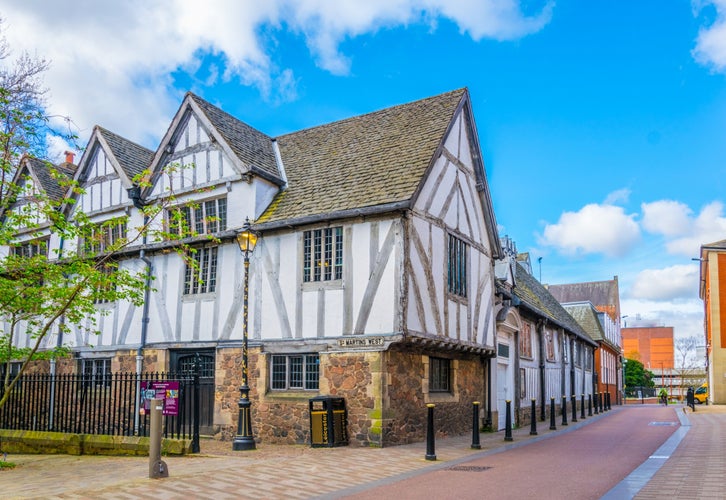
(582, 406)
(601, 398)
(430, 440)
(564, 410)
(589, 405)
(475, 427)
(574, 408)
(533, 425)
(594, 400)
(607, 398)
(553, 427)
(508, 423)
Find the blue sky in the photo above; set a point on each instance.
(601, 122)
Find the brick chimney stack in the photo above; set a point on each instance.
(69, 156)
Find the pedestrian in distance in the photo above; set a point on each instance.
(690, 400)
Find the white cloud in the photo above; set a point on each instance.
(112, 62)
(674, 282)
(666, 217)
(595, 228)
(685, 316)
(685, 233)
(710, 49)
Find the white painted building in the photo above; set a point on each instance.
(373, 278)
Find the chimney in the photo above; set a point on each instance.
(69, 156)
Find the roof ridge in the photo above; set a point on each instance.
(386, 109)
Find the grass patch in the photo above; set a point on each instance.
(6, 465)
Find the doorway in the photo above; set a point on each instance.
(182, 363)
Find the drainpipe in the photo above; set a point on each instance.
(59, 344)
(542, 389)
(134, 194)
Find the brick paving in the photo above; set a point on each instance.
(218, 472)
(695, 470)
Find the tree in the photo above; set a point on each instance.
(44, 292)
(686, 349)
(636, 375)
(689, 368)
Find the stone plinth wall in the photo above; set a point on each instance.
(352, 376)
(405, 414)
(284, 417)
(383, 392)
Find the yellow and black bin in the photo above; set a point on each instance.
(328, 422)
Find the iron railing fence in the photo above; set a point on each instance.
(111, 404)
(640, 392)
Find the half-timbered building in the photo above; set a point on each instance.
(373, 279)
(543, 354)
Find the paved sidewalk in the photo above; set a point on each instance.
(694, 470)
(268, 472)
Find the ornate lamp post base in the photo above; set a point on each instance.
(244, 440)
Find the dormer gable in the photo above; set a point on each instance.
(35, 180)
(107, 170)
(208, 147)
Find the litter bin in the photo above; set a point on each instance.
(328, 422)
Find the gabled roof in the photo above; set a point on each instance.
(366, 162)
(604, 295)
(131, 157)
(249, 145)
(587, 317)
(539, 301)
(40, 171)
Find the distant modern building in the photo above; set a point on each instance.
(712, 280)
(651, 345)
(605, 297)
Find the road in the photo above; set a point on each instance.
(584, 464)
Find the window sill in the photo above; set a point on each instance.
(291, 396)
(441, 397)
(191, 297)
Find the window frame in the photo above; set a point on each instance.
(32, 248)
(457, 267)
(107, 269)
(322, 255)
(306, 372)
(104, 235)
(550, 345)
(93, 375)
(525, 341)
(199, 217)
(440, 375)
(207, 265)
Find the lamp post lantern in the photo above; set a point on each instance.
(244, 440)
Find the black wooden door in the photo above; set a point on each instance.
(182, 362)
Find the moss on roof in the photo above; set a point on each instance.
(365, 161)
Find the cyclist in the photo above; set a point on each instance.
(663, 395)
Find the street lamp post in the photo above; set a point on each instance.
(244, 440)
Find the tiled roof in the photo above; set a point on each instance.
(133, 158)
(537, 299)
(48, 183)
(586, 316)
(600, 293)
(366, 161)
(251, 146)
(721, 243)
